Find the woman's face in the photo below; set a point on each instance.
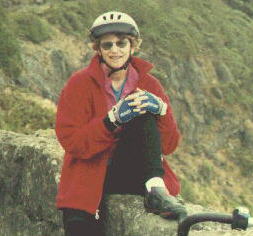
(115, 50)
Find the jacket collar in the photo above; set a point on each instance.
(96, 72)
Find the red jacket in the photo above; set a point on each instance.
(87, 142)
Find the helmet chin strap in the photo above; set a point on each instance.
(113, 70)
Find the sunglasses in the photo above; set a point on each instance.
(120, 44)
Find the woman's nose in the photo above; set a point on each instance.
(114, 48)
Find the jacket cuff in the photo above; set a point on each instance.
(164, 109)
(111, 126)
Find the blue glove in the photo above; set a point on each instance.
(122, 112)
(155, 104)
(135, 105)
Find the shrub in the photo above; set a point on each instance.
(21, 115)
(188, 191)
(32, 27)
(206, 172)
(243, 157)
(69, 17)
(10, 53)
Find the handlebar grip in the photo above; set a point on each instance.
(250, 222)
(241, 218)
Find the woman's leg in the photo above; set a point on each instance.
(136, 158)
(80, 223)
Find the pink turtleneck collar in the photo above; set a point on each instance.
(132, 78)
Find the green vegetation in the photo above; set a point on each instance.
(69, 17)
(31, 27)
(10, 52)
(188, 191)
(206, 172)
(244, 5)
(19, 114)
(244, 161)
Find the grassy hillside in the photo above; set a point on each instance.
(178, 28)
(203, 53)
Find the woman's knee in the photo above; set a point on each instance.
(145, 120)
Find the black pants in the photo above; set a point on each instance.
(136, 159)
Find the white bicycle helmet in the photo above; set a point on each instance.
(114, 22)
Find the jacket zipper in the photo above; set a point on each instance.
(97, 215)
(97, 211)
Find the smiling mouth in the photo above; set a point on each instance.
(115, 57)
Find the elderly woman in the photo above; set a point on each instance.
(114, 122)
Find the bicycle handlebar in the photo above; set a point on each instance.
(185, 225)
(240, 219)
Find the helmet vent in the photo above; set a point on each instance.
(104, 17)
(119, 16)
(111, 16)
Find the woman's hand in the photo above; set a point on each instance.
(128, 108)
(136, 104)
(145, 101)
(137, 100)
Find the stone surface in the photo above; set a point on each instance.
(29, 167)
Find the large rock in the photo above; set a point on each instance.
(127, 217)
(29, 172)
(29, 167)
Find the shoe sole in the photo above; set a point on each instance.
(162, 214)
